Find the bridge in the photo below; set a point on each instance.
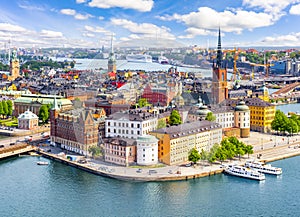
(15, 150)
(287, 89)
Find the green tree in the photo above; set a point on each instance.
(5, 107)
(194, 155)
(95, 150)
(210, 117)
(1, 110)
(203, 155)
(143, 102)
(212, 154)
(175, 118)
(161, 123)
(248, 150)
(44, 113)
(9, 107)
(221, 154)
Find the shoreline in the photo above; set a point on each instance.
(186, 173)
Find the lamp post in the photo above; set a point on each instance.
(262, 144)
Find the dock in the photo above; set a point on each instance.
(15, 150)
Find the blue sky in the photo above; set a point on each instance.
(90, 23)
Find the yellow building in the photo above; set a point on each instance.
(175, 142)
(262, 113)
(14, 67)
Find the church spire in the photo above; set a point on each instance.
(219, 51)
(55, 105)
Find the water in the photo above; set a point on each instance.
(29, 190)
(83, 64)
(289, 108)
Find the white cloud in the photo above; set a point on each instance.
(295, 9)
(139, 5)
(11, 28)
(29, 6)
(192, 32)
(292, 39)
(69, 12)
(76, 15)
(51, 34)
(89, 35)
(230, 21)
(270, 5)
(96, 29)
(145, 29)
(101, 18)
(82, 16)
(80, 1)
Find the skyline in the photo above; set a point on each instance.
(91, 23)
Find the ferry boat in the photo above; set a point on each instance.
(163, 60)
(263, 168)
(139, 58)
(244, 172)
(42, 163)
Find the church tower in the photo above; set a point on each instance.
(111, 66)
(54, 111)
(14, 67)
(219, 78)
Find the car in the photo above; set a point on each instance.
(139, 170)
(188, 165)
(170, 172)
(152, 172)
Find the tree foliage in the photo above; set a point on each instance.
(5, 107)
(95, 150)
(210, 117)
(282, 123)
(194, 155)
(143, 102)
(161, 123)
(9, 107)
(44, 113)
(175, 118)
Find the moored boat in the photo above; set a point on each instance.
(263, 168)
(140, 58)
(42, 163)
(244, 172)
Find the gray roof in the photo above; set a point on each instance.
(135, 115)
(188, 128)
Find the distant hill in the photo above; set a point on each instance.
(151, 43)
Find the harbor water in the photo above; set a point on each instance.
(29, 190)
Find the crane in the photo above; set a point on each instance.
(235, 58)
(267, 66)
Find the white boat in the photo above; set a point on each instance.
(42, 163)
(163, 60)
(263, 168)
(139, 58)
(244, 172)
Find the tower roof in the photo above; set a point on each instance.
(219, 51)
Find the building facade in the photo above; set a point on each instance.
(219, 88)
(147, 150)
(175, 142)
(33, 102)
(131, 124)
(28, 121)
(121, 151)
(74, 130)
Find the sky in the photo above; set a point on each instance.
(92, 23)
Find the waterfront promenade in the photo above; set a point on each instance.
(265, 149)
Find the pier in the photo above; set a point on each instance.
(15, 150)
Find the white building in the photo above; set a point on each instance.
(28, 120)
(147, 150)
(224, 116)
(130, 124)
(242, 118)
